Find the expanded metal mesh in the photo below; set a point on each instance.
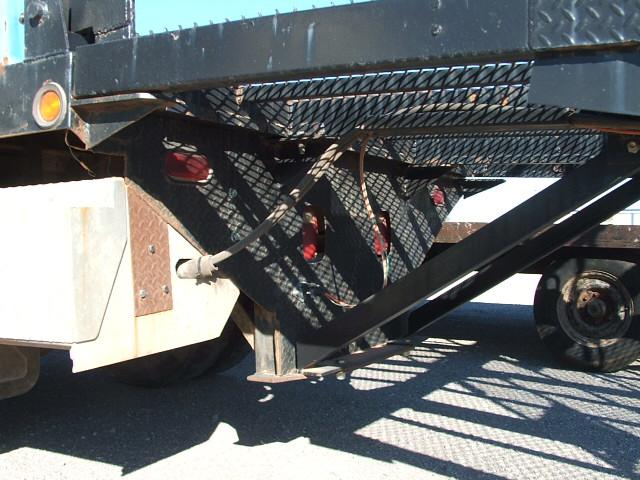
(456, 109)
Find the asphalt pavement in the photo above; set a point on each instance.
(480, 399)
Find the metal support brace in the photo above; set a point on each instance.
(580, 186)
(527, 254)
(269, 348)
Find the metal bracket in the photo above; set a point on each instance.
(269, 347)
(97, 119)
(45, 28)
(601, 82)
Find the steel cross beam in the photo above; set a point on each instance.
(483, 247)
(349, 39)
(525, 255)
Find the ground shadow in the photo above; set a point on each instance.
(480, 354)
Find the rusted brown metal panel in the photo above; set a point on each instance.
(610, 236)
(601, 236)
(149, 257)
(453, 232)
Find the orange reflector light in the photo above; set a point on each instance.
(187, 167)
(50, 106)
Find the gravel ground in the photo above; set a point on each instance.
(480, 399)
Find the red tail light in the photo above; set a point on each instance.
(313, 231)
(438, 197)
(187, 167)
(384, 225)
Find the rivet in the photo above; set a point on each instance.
(142, 293)
(165, 289)
(633, 147)
(152, 249)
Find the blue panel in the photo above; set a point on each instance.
(152, 15)
(11, 32)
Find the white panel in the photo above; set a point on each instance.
(62, 245)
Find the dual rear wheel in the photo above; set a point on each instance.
(586, 312)
(185, 363)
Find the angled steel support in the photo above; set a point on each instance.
(482, 248)
(527, 254)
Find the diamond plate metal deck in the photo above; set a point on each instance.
(571, 23)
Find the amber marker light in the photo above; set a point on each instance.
(49, 105)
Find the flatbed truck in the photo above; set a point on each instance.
(170, 201)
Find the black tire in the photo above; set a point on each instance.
(586, 312)
(185, 363)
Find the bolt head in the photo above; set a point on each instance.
(341, 376)
(633, 147)
(143, 294)
(151, 249)
(37, 11)
(165, 289)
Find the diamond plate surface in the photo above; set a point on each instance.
(149, 257)
(570, 23)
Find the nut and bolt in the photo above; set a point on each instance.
(37, 11)
(151, 249)
(341, 376)
(143, 294)
(233, 193)
(436, 30)
(633, 147)
(302, 148)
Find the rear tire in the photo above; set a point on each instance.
(586, 312)
(185, 363)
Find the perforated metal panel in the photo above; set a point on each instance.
(474, 116)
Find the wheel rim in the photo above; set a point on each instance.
(595, 309)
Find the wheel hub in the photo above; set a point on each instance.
(595, 308)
